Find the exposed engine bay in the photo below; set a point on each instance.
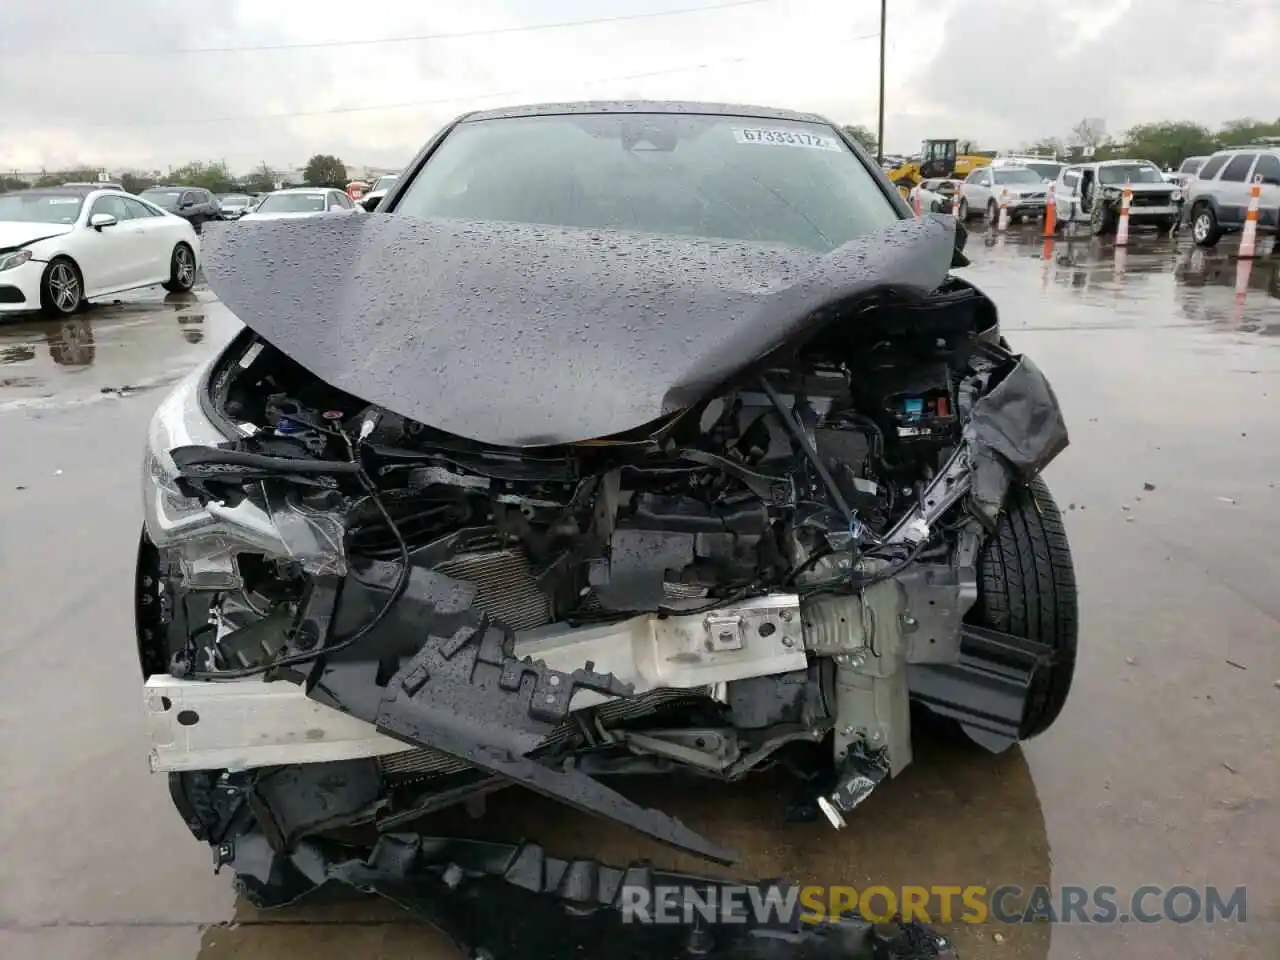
(770, 576)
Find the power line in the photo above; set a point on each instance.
(371, 108)
(416, 38)
(494, 95)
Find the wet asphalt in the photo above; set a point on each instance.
(1163, 769)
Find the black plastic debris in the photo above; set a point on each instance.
(459, 692)
(1014, 431)
(514, 902)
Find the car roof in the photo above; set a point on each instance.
(1252, 148)
(643, 106)
(302, 190)
(63, 190)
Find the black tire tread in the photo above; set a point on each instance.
(1027, 587)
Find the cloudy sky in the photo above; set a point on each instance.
(86, 82)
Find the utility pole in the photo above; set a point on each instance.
(880, 125)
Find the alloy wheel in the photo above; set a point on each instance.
(64, 286)
(184, 267)
(1200, 229)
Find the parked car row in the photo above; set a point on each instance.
(1209, 194)
(62, 246)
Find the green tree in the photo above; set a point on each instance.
(864, 136)
(1168, 143)
(262, 180)
(12, 183)
(1236, 133)
(324, 170)
(134, 182)
(211, 176)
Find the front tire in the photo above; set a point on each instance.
(1102, 221)
(61, 288)
(182, 270)
(1204, 226)
(1027, 587)
(964, 210)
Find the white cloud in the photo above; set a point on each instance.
(977, 68)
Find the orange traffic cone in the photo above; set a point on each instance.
(1002, 223)
(1122, 230)
(915, 201)
(955, 204)
(1249, 237)
(1050, 212)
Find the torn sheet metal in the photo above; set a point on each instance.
(499, 901)
(1014, 431)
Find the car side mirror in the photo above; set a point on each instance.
(100, 220)
(371, 203)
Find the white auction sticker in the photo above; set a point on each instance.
(60, 200)
(785, 138)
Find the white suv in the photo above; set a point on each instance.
(980, 193)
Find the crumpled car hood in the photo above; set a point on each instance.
(523, 335)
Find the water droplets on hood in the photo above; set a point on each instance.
(570, 334)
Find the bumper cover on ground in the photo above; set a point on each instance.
(513, 901)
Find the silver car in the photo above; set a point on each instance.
(1219, 197)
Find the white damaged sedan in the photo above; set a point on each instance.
(61, 246)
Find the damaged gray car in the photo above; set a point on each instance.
(626, 439)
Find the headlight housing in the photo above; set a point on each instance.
(15, 258)
(1176, 196)
(205, 538)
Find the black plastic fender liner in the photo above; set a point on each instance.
(499, 901)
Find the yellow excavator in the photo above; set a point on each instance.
(938, 158)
